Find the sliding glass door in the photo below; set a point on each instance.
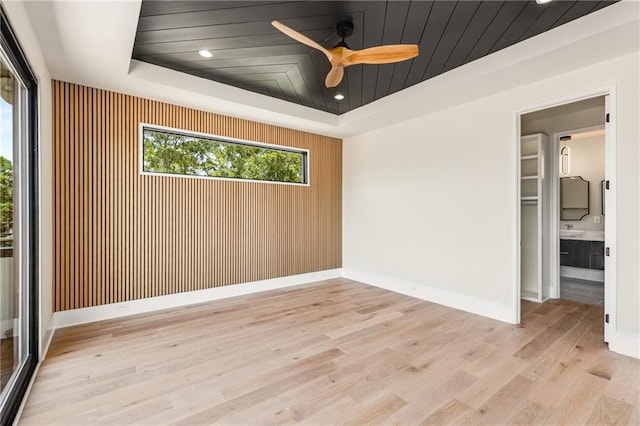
(18, 224)
(9, 292)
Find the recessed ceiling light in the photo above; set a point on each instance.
(205, 53)
(339, 96)
(543, 1)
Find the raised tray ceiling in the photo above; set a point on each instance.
(251, 54)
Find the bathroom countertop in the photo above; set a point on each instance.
(587, 236)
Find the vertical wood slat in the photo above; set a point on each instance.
(122, 236)
(57, 238)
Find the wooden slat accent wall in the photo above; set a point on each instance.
(121, 236)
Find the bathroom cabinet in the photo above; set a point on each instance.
(534, 217)
(582, 254)
(597, 255)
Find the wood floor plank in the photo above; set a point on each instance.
(211, 414)
(578, 405)
(377, 411)
(634, 418)
(334, 352)
(567, 372)
(256, 382)
(555, 353)
(426, 403)
(507, 401)
(609, 411)
(531, 413)
(448, 414)
(504, 370)
(625, 382)
(331, 414)
(535, 347)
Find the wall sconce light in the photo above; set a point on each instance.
(565, 161)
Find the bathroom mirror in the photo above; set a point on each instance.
(574, 198)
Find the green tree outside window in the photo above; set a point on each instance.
(185, 155)
(6, 200)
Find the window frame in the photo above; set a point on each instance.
(306, 170)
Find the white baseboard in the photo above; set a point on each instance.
(451, 299)
(582, 273)
(625, 344)
(45, 340)
(116, 310)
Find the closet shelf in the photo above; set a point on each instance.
(534, 217)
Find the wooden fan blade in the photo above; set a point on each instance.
(383, 54)
(334, 77)
(300, 37)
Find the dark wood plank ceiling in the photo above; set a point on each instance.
(251, 54)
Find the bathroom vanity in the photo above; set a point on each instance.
(582, 249)
(582, 254)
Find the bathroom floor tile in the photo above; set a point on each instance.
(582, 291)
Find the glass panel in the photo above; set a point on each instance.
(181, 154)
(11, 347)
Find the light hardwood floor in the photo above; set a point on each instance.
(336, 352)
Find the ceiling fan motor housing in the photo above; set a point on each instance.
(343, 29)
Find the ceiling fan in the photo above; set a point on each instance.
(341, 56)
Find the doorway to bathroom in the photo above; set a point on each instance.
(580, 191)
(567, 204)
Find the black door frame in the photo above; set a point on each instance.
(15, 54)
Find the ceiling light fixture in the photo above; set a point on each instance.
(205, 53)
(339, 96)
(543, 1)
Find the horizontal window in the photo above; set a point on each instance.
(181, 153)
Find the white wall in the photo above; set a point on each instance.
(26, 36)
(430, 204)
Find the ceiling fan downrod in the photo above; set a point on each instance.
(343, 29)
